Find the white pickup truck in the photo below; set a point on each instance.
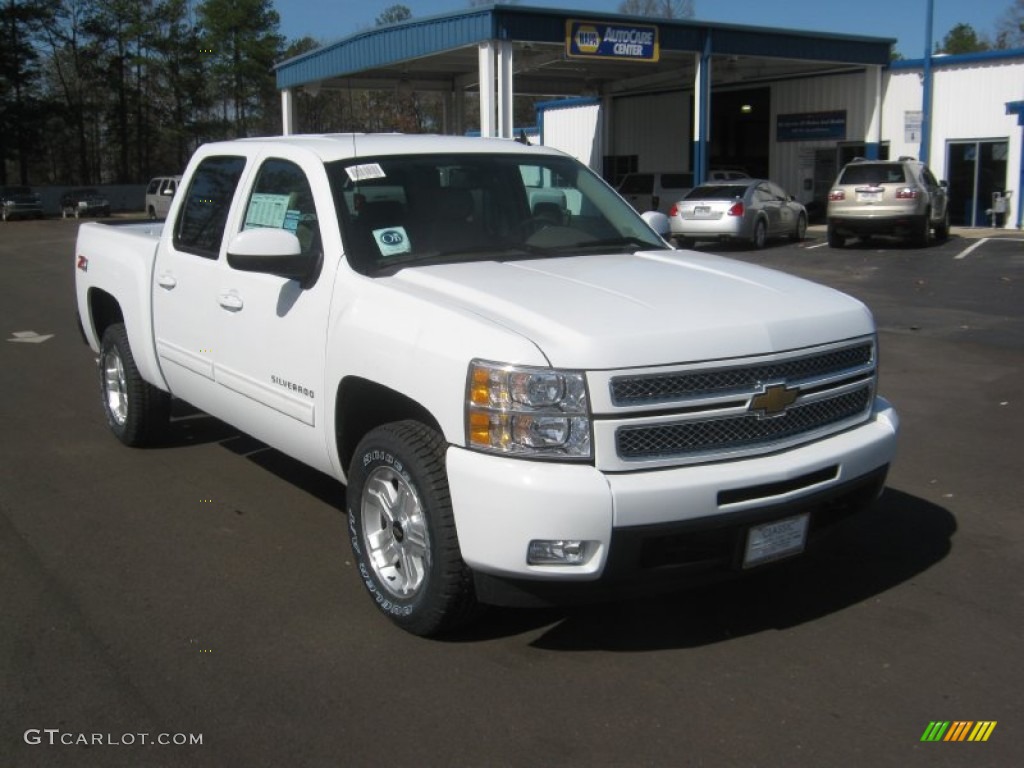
(528, 402)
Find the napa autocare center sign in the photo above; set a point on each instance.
(598, 40)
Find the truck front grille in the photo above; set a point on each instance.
(645, 389)
(685, 438)
(708, 411)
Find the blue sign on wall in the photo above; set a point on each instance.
(810, 126)
(598, 40)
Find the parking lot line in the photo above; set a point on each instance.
(970, 249)
(811, 247)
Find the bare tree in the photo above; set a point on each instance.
(661, 9)
(1010, 27)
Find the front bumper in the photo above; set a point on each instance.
(660, 527)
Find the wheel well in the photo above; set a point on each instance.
(362, 405)
(104, 311)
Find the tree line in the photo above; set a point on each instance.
(118, 91)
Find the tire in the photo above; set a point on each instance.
(137, 412)
(686, 243)
(924, 230)
(942, 229)
(152, 213)
(402, 530)
(798, 234)
(835, 240)
(760, 236)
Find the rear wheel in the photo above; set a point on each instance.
(136, 411)
(402, 529)
(924, 230)
(835, 240)
(685, 242)
(760, 235)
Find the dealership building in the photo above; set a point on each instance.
(626, 94)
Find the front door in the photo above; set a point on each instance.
(271, 333)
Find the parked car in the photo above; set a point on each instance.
(887, 197)
(657, 190)
(743, 209)
(18, 202)
(84, 202)
(159, 194)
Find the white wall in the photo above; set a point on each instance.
(575, 130)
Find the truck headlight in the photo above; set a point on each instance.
(529, 412)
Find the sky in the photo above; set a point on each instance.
(903, 20)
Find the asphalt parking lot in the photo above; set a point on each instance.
(205, 587)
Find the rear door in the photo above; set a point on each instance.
(186, 304)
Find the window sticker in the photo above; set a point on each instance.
(266, 210)
(291, 220)
(392, 241)
(365, 171)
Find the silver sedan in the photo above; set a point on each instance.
(746, 209)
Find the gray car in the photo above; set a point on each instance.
(887, 197)
(747, 209)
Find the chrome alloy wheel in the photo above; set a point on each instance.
(395, 532)
(115, 385)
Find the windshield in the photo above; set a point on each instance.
(717, 192)
(413, 210)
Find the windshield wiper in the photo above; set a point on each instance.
(629, 240)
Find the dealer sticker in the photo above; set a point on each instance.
(365, 171)
(392, 241)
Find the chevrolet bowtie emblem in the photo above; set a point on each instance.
(773, 401)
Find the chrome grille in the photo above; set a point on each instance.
(684, 438)
(646, 389)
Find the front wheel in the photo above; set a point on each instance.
(402, 529)
(800, 232)
(942, 228)
(136, 411)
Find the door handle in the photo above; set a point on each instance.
(166, 280)
(230, 301)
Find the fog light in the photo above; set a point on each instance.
(558, 552)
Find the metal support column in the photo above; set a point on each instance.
(873, 134)
(701, 106)
(505, 89)
(926, 99)
(287, 112)
(485, 63)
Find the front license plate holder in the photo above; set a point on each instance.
(775, 540)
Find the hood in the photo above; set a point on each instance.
(644, 309)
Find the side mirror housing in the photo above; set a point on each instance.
(657, 221)
(271, 251)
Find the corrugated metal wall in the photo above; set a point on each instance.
(575, 130)
(792, 162)
(656, 127)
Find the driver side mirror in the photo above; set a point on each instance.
(272, 252)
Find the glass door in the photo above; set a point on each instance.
(976, 169)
